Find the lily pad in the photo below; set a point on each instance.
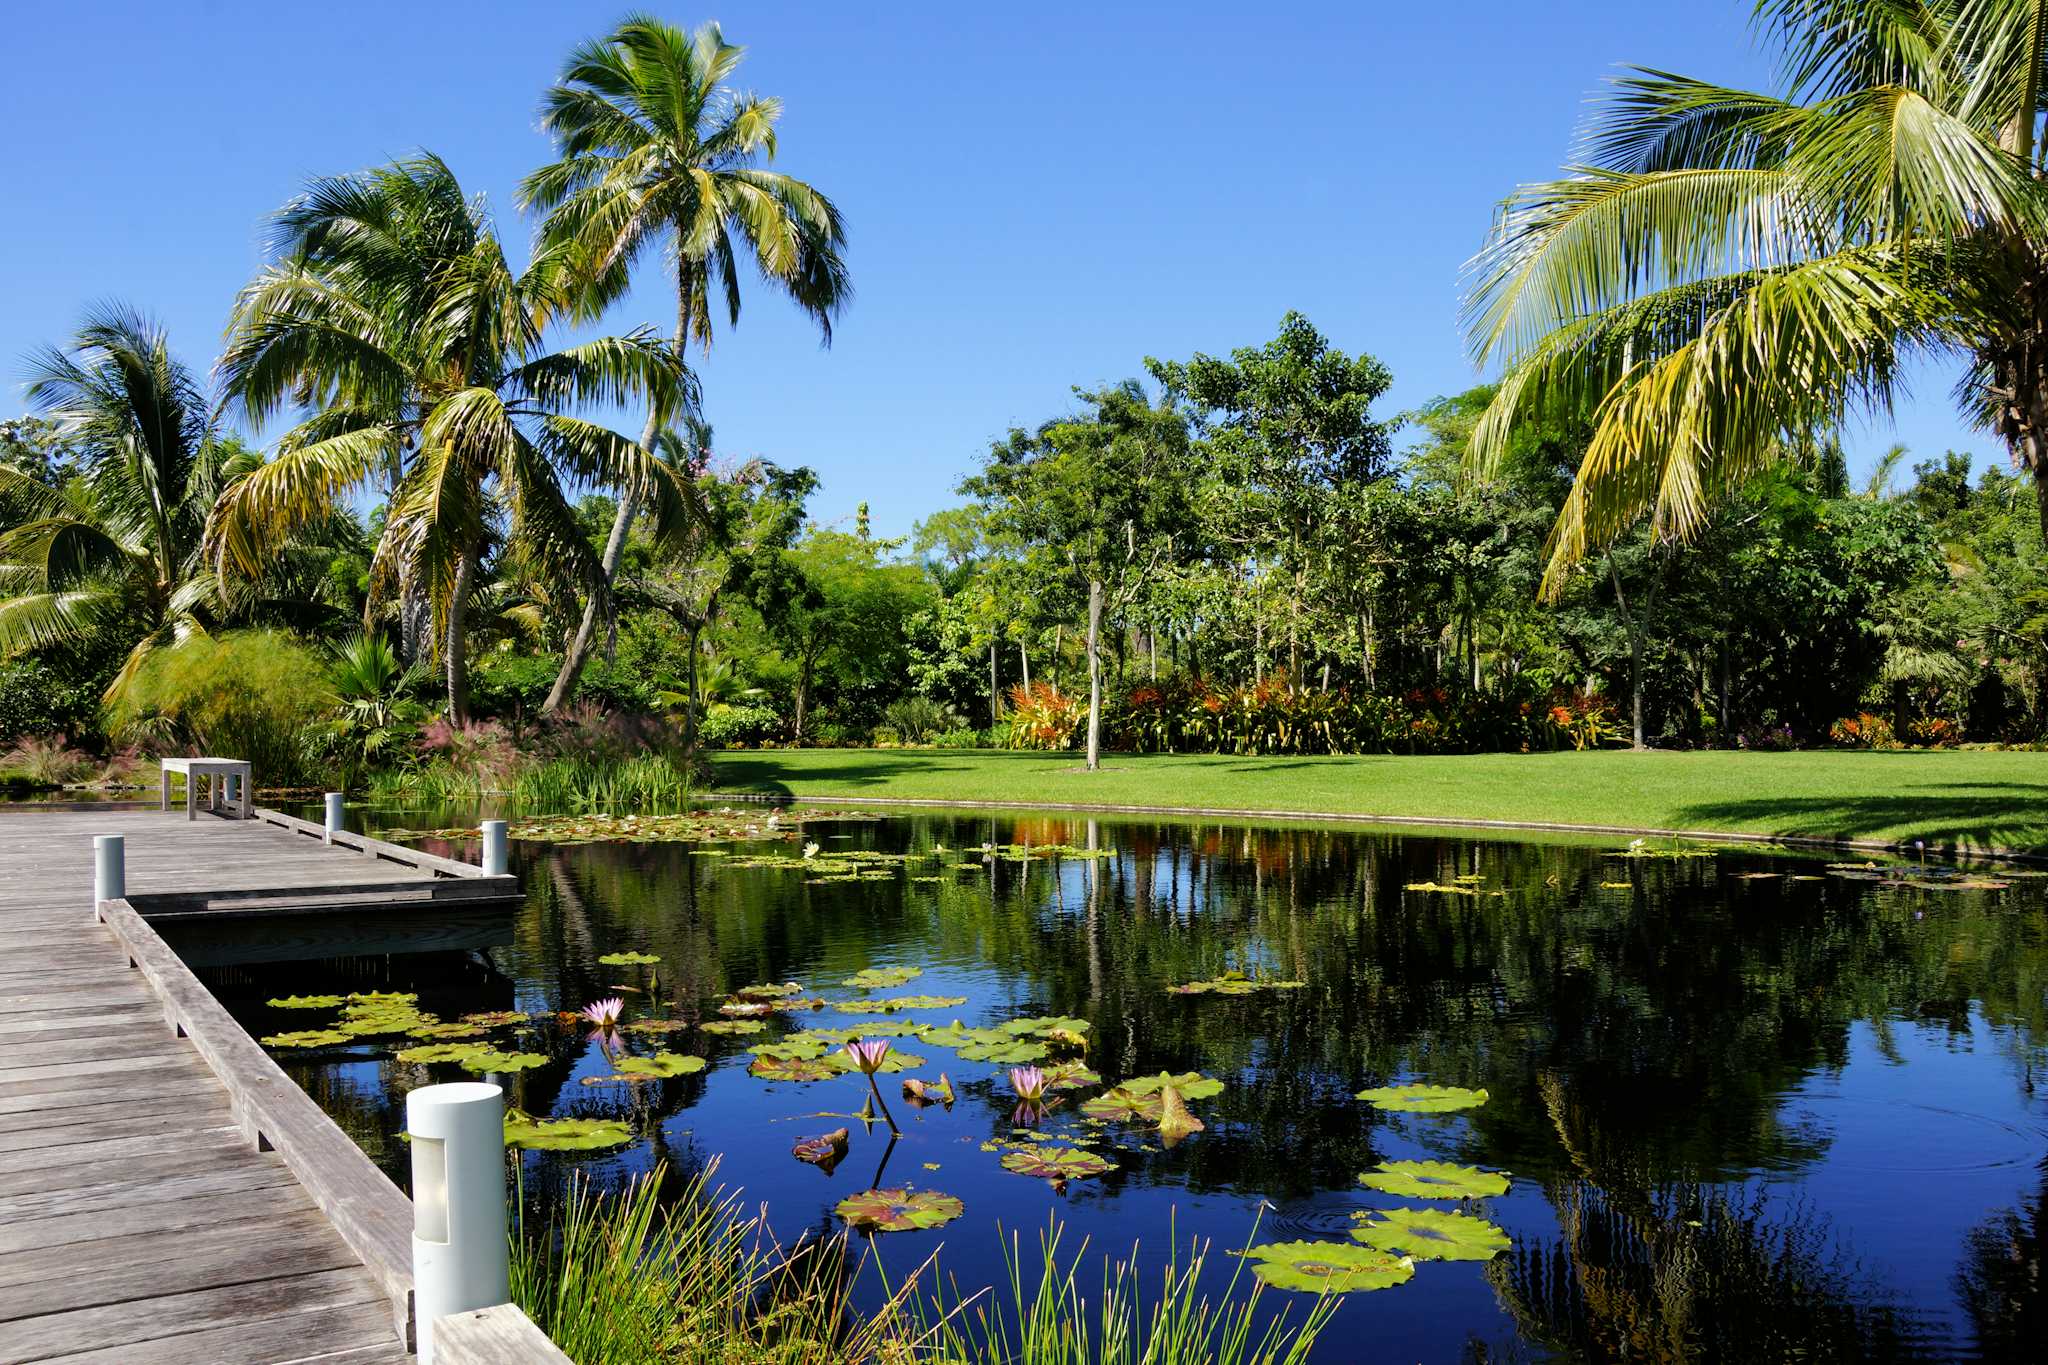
(306, 1002)
(776, 991)
(1328, 1267)
(1423, 1099)
(441, 1052)
(661, 1064)
(1430, 1235)
(881, 978)
(1070, 1076)
(496, 1018)
(731, 1026)
(825, 1150)
(1235, 983)
(1434, 1180)
(1008, 1052)
(311, 1037)
(1193, 1085)
(564, 1135)
(791, 1069)
(629, 959)
(921, 1093)
(801, 1048)
(899, 1210)
(439, 1030)
(894, 1062)
(1056, 1163)
(488, 1060)
(1044, 1026)
(658, 1026)
(897, 1002)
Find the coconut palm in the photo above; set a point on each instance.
(415, 353)
(657, 153)
(114, 550)
(1725, 272)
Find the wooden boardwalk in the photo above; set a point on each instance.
(138, 1220)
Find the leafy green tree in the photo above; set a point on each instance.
(1106, 493)
(1726, 271)
(656, 151)
(393, 316)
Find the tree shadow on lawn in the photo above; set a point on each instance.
(1948, 816)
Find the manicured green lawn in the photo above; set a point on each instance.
(1950, 799)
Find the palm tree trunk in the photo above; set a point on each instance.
(994, 697)
(1094, 674)
(585, 642)
(690, 696)
(455, 648)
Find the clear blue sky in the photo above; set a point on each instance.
(1038, 196)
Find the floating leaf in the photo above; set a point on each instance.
(1193, 1085)
(881, 978)
(897, 1002)
(1044, 1026)
(1070, 1076)
(1123, 1106)
(899, 1210)
(659, 1026)
(1235, 983)
(1444, 890)
(305, 1002)
(496, 1018)
(312, 1037)
(1434, 1180)
(486, 1060)
(1423, 1099)
(889, 1065)
(780, 991)
(564, 1135)
(1428, 1235)
(661, 1064)
(1328, 1267)
(922, 1093)
(824, 1151)
(791, 1069)
(1175, 1122)
(746, 1008)
(441, 1052)
(731, 1026)
(1056, 1163)
(803, 1047)
(446, 1031)
(1005, 1053)
(629, 959)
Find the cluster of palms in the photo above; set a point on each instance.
(415, 366)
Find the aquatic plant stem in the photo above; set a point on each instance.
(883, 1105)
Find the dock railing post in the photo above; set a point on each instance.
(497, 857)
(334, 804)
(109, 869)
(459, 1257)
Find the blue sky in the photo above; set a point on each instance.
(1039, 196)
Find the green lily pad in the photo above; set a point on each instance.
(629, 959)
(1235, 983)
(656, 1026)
(1429, 1235)
(791, 1069)
(1056, 1163)
(442, 1052)
(306, 1002)
(487, 1060)
(1120, 1105)
(1328, 1267)
(1070, 1076)
(496, 1018)
(894, 1062)
(897, 1002)
(1434, 1180)
(881, 978)
(564, 1135)
(1009, 1052)
(1044, 1026)
(661, 1064)
(439, 1030)
(777, 991)
(1423, 1099)
(803, 1047)
(311, 1037)
(899, 1210)
(1193, 1085)
(731, 1026)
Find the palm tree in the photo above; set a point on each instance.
(114, 550)
(656, 152)
(1726, 272)
(416, 352)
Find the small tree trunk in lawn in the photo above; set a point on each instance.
(994, 697)
(1024, 662)
(1094, 674)
(454, 649)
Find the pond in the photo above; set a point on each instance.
(1748, 1105)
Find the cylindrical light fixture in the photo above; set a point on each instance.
(109, 869)
(459, 1259)
(497, 857)
(334, 803)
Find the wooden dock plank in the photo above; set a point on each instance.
(115, 1326)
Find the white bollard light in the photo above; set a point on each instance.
(334, 803)
(497, 857)
(459, 1259)
(109, 869)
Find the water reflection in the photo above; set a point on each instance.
(1694, 1073)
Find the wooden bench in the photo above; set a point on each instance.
(214, 772)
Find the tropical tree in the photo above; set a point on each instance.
(1727, 272)
(103, 548)
(657, 153)
(394, 320)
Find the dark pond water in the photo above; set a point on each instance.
(1746, 1116)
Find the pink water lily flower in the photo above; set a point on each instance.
(1028, 1082)
(868, 1054)
(605, 1013)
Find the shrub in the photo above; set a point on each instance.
(738, 724)
(916, 719)
(1864, 731)
(1935, 732)
(35, 701)
(254, 694)
(46, 761)
(590, 733)
(966, 737)
(1043, 717)
(481, 750)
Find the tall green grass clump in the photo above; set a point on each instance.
(253, 694)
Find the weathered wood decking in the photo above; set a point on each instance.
(165, 1193)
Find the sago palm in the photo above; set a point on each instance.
(415, 353)
(1723, 273)
(657, 154)
(112, 555)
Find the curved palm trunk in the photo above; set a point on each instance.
(455, 648)
(1094, 673)
(585, 642)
